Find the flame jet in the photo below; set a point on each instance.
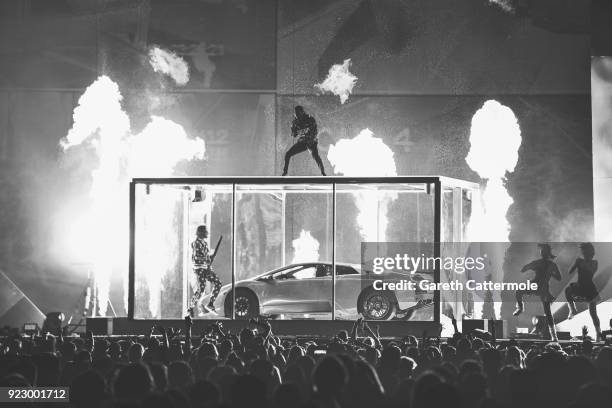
(99, 122)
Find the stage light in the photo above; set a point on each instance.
(30, 328)
(53, 322)
(540, 326)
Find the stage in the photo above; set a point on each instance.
(123, 326)
(317, 330)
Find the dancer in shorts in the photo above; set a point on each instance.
(584, 289)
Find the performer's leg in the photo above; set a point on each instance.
(216, 284)
(593, 312)
(299, 147)
(199, 291)
(314, 150)
(550, 320)
(569, 295)
(519, 302)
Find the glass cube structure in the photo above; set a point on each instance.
(291, 247)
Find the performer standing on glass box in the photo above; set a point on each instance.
(304, 127)
(202, 261)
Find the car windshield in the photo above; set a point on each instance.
(303, 271)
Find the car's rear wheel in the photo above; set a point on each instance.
(245, 307)
(377, 305)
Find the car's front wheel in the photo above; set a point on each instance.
(377, 305)
(245, 307)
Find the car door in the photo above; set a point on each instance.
(305, 289)
(348, 288)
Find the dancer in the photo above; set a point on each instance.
(544, 269)
(304, 127)
(202, 261)
(584, 288)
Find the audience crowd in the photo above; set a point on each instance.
(254, 368)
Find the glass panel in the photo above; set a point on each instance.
(284, 251)
(396, 213)
(167, 217)
(456, 213)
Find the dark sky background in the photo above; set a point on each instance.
(424, 68)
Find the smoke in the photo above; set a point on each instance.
(495, 138)
(339, 81)
(505, 5)
(305, 248)
(366, 155)
(575, 226)
(168, 63)
(101, 123)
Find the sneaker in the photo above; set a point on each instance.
(517, 311)
(191, 312)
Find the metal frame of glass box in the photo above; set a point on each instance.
(440, 186)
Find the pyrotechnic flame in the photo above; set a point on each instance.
(305, 248)
(100, 121)
(168, 63)
(159, 147)
(157, 241)
(495, 139)
(366, 155)
(339, 81)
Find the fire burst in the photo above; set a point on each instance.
(339, 81)
(100, 120)
(168, 63)
(366, 155)
(305, 248)
(495, 138)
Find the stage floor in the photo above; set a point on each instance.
(311, 329)
(303, 328)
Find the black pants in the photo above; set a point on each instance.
(203, 276)
(300, 147)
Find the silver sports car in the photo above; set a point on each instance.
(306, 289)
